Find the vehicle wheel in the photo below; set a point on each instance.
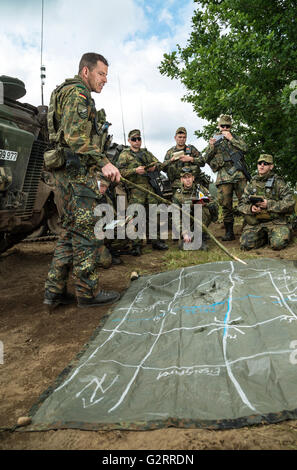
(37, 233)
(54, 224)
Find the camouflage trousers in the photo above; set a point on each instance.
(225, 197)
(77, 247)
(137, 196)
(276, 235)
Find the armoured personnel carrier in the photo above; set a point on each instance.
(28, 200)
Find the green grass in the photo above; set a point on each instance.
(175, 258)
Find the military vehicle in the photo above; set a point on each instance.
(29, 203)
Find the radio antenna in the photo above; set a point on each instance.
(122, 111)
(142, 123)
(42, 67)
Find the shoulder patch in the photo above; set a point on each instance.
(82, 110)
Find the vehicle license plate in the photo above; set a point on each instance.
(8, 155)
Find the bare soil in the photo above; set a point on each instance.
(38, 346)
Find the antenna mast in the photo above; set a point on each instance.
(142, 123)
(122, 111)
(42, 67)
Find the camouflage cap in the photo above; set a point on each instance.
(181, 130)
(186, 170)
(225, 119)
(133, 133)
(265, 157)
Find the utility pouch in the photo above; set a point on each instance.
(54, 159)
(72, 160)
(251, 220)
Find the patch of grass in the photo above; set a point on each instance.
(175, 258)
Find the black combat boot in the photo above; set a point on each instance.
(136, 251)
(229, 235)
(53, 300)
(102, 298)
(116, 260)
(159, 245)
(204, 245)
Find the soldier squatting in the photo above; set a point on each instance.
(86, 178)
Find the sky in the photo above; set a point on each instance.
(132, 34)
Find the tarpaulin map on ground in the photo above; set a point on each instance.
(210, 345)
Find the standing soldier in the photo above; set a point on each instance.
(225, 155)
(132, 163)
(266, 204)
(192, 193)
(183, 155)
(75, 161)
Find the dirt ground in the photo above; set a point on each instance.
(38, 346)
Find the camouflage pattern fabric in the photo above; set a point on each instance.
(173, 168)
(218, 158)
(185, 196)
(72, 118)
(72, 124)
(254, 236)
(128, 161)
(225, 197)
(78, 247)
(272, 224)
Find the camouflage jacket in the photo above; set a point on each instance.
(186, 196)
(173, 168)
(128, 161)
(280, 199)
(218, 158)
(72, 119)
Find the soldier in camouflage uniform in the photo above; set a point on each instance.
(231, 178)
(73, 129)
(132, 163)
(266, 221)
(191, 158)
(186, 194)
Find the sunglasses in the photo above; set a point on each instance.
(134, 139)
(263, 163)
(225, 126)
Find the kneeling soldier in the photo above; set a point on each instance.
(191, 193)
(266, 203)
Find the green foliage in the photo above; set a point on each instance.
(240, 59)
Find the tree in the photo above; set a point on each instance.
(241, 59)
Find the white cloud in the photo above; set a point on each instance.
(166, 16)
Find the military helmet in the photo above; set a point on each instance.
(225, 119)
(265, 157)
(133, 133)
